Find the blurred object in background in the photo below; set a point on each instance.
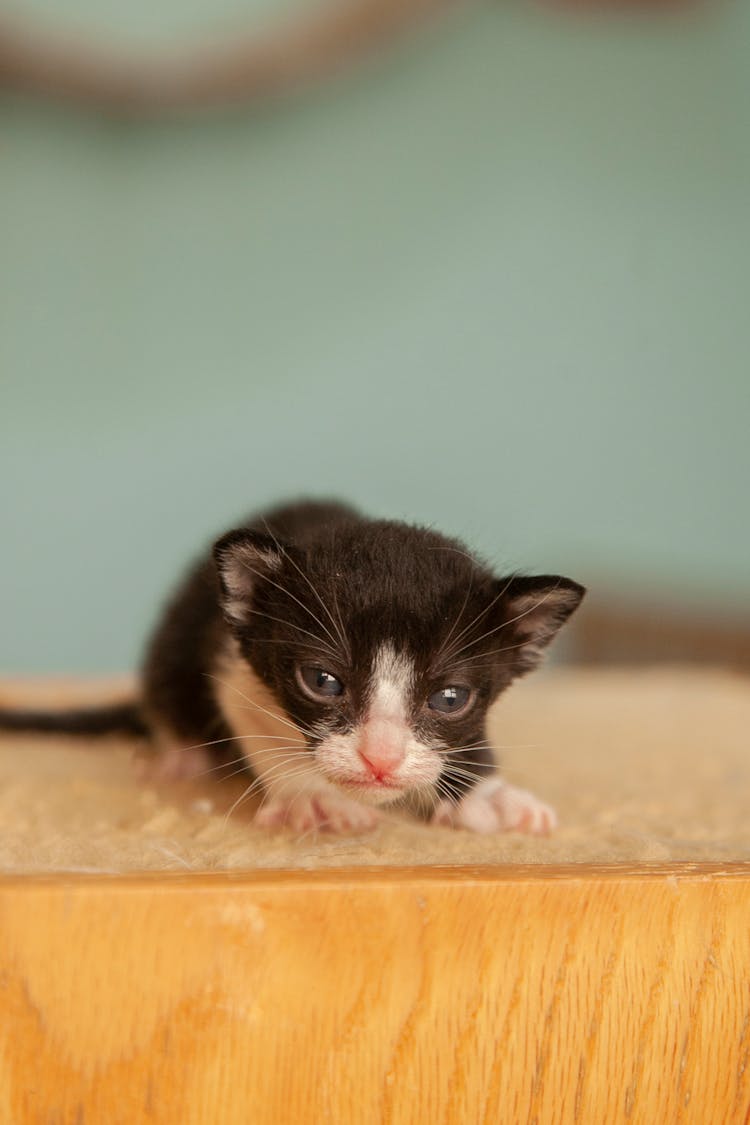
(617, 631)
(496, 281)
(324, 39)
(253, 64)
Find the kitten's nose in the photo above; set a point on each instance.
(381, 756)
(379, 765)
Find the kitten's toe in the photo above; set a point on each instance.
(340, 814)
(495, 806)
(524, 812)
(317, 811)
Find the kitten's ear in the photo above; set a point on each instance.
(534, 610)
(243, 559)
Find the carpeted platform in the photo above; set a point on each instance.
(648, 765)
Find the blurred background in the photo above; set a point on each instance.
(492, 276)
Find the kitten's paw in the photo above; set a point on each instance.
(318, 810)
(173, 764)
(495, 806)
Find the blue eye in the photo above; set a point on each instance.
(449, 700)
(318, 682)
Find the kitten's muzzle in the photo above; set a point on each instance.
(380, 757)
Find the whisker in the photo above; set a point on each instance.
(259, 783)
(478, 617)
(493, 652)
(460, 614)
(444, 792)
(292, 625)
(289, 594)
(463, 749)
(229, 738)
(258, 751)
(425, 797)
(318, 646)
(309, 733)
(465, 763)
(337, 607)
(483, 745)
(248, 764)
(453, 550)
(458, 771)
(295, 564)
(257, 778)
(257, 706)
(496, 746)
(505, 624)
(234, 773)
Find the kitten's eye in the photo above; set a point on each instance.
(449, 700)
(316, 681)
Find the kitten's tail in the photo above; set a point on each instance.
(111, 718)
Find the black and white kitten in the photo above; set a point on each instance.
(349, 662)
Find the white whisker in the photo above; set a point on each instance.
(257, 706)
(289, 594)
(257, 753)
(450, 655)
(259, 783)
(291, 625)
(229, 738)
(510, 621)
(456, 622)
(341, 638)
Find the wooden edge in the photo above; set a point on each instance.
(434, 874)
(452, 994)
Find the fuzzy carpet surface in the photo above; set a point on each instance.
(647, 765)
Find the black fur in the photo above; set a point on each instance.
(366, 581)
(122, 718)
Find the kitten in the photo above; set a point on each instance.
(348, 663)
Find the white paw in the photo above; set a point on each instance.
(317, 810)
(495, 806)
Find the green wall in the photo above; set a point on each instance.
(497, 281)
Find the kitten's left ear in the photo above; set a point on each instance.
(244, 558)
(534, 609)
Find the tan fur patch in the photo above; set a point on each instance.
(266, 737)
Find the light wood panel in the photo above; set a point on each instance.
(436, 995)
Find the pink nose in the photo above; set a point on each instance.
(381, 760)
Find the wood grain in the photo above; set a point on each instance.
(436, 995)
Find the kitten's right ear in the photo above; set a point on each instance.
(243, 559)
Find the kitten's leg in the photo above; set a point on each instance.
(170, 759)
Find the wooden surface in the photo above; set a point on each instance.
(438, 995)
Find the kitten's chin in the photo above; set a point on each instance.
(369, 792)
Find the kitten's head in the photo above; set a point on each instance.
(385, 644)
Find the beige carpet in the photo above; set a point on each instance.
(651, 765)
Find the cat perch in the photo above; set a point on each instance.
(162, 963)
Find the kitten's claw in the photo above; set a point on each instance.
(495, 806)
(317, 811)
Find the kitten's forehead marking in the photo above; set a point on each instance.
(392, 682)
